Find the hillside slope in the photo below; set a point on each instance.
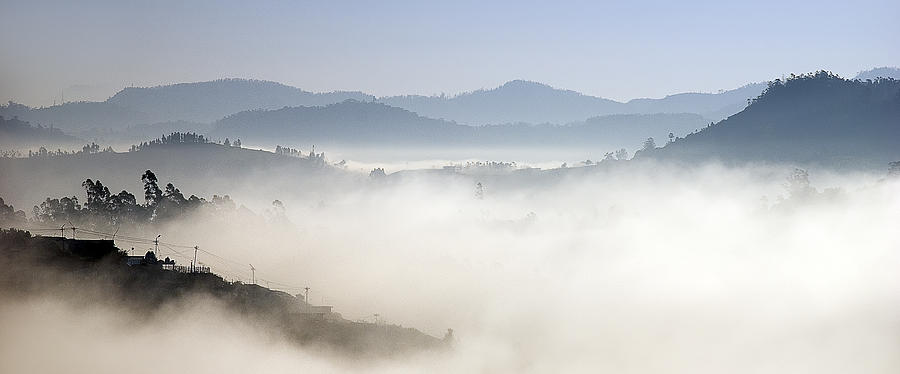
(73, 271)
(816, 118)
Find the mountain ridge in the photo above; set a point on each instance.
(208, 101)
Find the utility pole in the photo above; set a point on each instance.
(62, 231)
(306, 298)
(194, 264)
(156, 246)
(252, 274)
(73, 231)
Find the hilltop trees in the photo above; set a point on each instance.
(57, 210)
(152, 193)
(98, 195)
(108, 209)
(173, 138)
(104, 209)
(377, 173)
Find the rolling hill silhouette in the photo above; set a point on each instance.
(210, 101)
(816, 118)
(377, 124)
(200, 102)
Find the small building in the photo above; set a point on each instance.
(319, 312)
(147, 259)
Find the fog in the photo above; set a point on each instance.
(636, 269)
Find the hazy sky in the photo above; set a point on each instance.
(90, 49)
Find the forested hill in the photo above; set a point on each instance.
(816, 118)
(376, 124)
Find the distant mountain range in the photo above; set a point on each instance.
(811, 119)
(805, 118)
(377, 124)
(210, 101)
(715, 106)
(514, 102)
(200, 102)
(532, 102)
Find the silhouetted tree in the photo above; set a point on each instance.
(152, 193)
(377, 173)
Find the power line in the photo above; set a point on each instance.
(226, 262)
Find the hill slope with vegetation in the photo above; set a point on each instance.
(816, 118)
(77, 271)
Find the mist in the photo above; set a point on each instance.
(454, 187)
(646, 268)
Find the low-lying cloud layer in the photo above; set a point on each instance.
(642, 269)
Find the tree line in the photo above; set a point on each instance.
(105, 209)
